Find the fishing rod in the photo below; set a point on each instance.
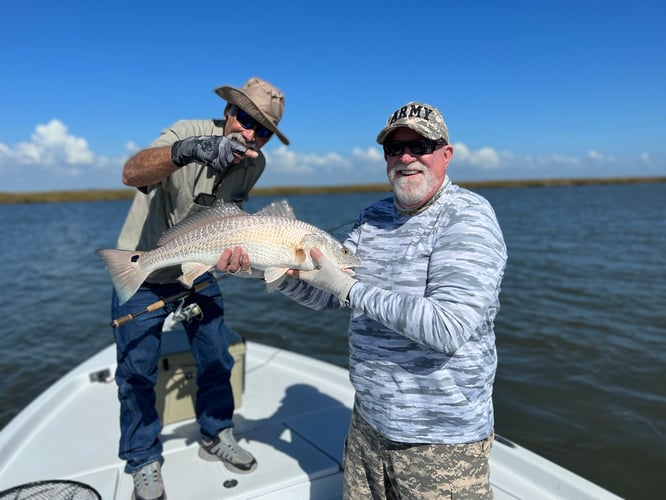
(193, 312)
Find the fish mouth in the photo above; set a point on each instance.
(348, 270)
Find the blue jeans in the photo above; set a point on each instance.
(138, 350)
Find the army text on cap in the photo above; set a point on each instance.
(415, 111)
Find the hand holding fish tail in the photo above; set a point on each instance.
(328, 276)
(215, 151)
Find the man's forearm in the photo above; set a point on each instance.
(148, 166)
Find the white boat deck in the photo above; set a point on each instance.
(293, 418)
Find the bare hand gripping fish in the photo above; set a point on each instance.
(272, 237)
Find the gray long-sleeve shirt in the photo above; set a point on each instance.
(421, 339)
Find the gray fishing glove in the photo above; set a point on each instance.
(214, 151)
(330, 278)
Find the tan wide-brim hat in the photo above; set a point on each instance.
(261, 100)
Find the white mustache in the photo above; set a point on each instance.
(415, 166)
(238, 137)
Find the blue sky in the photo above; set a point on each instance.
(528, 89)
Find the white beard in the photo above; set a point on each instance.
(410, 191)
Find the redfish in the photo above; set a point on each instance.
(273, 238)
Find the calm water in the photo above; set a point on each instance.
(581, 332)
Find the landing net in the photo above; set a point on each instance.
(51, 490)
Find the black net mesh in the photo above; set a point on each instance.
(51, 490)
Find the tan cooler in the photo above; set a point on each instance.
(176, 386)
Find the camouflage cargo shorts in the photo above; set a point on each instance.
(378, 468)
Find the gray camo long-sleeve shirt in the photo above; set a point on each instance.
(421, 339)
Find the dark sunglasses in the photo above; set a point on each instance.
(417, 147)
(248, 122)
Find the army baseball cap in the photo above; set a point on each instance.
(261, 100)
(422, 118)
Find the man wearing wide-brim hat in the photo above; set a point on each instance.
(192, 165)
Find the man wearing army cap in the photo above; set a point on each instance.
(422, 355)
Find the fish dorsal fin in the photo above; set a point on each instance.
(279, 208)
(202, 218)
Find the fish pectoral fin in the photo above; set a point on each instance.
(191, 271)
(274, 276)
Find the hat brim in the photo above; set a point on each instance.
(386, 131)
(236, 96)
(381, 137)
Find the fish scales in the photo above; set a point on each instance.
(269, 241)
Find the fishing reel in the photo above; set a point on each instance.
(187, 312)
(182, 313)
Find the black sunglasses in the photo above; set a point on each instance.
(417, 147)
(248, 122)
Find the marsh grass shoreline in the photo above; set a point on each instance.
(128, 193)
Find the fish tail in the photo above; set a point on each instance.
(125, 269)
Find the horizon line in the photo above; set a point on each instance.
(101, 194)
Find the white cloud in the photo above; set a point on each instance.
(485, 158)
(371, 154)
(286, 166)
(132, 147)
(551, 161)
(596, 156)
(54, 158)
(66, 160)
(51, 145)
(288, 161)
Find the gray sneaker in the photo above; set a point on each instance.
(225, 448)
(148, 484)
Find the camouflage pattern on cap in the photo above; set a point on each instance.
(422, 118)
